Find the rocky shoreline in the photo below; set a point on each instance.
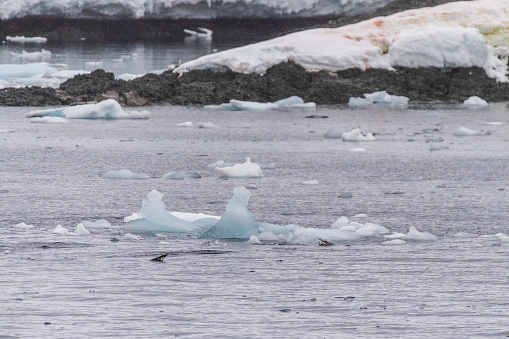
(205, 87)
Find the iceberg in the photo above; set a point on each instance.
(124, 174)
(414, 235)
(466, 132)
(107, 109)
(245, 170)
(237, 221)
(153, 217)
(456, 34)
(42, 55)
(27, 40)
(356, 135)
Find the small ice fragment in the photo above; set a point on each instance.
(253, 106)
(394, 236)
(493, 123)
(6, 252)
(125, 174)
(414, 235)
(394, 242)
(503, 237)
(356, 135)
(360, 215)
(254, 240)
(23, 226)
(129, 236)
(245, 170)
(475, 101)
(207, 125)
(464, 132)
(357, 150)
(185, 124)
(60, 230)
(310, 182)
(49, 120)
(333, 134)
(359, 102)
(174, 176)
(81, 230)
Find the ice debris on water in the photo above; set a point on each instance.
(207, 125)
(26, 40)
(475, 101)
(333, 133)
(465, 132)
(179, 175)
(107, 109)
(379, 98)
(124, 174)
(356, 135)
(239, 105)
(49, 120)
(414, 235)
(80, 230)
(185, 124)
(254, 240)
(129, 236)
(23, 226)
(237, 221)
(245, 170)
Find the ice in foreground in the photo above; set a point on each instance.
(456, 34)
(466, 132)
(245, 170)
(237, 221)
(107, 109)
(124, 174)
(23, 39)
(356, 135)
(475, 101)
(381, 98)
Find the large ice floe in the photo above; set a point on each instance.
(26, 40)
(457, 34)
(237, 222)
(177, 9)
(379, 99)
(107, 109)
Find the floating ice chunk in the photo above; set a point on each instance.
(475, 101)
(192, 217)
(253, 106)
(276, 229)
(381, 98)
(153, 217)
(134, 216)
(359, 102)
(25, 71)
(42, 55)
(310, 182)
(503, 237)
(394, 236)
(310, 235)
(67, 74)
(60, 230)
(414, 235)
(174, 176)
(129, 236)
(371, 229)
(101, 223)
(81, 230)
(291, 101)
(107, 109)
(360, 215)
(212, 167)
(207, 125)
(185, 124)
(237, 221)
(357, 150)
(23, 226)
(26, 40)
(49, 120)
(492, 123)
(333, 134)
(356, 135)
(124, 174)
(245, 170)
(205, 32)
(394, 242)
(223, 107)
(254, 240)
(130, 76)
(465, 132)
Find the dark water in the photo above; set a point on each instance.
(88, 286)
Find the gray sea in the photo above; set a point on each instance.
(417, 173)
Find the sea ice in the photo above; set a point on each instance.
(153, 217)
(237, 221)
(32, 56)
(61, 230)
(381, 98)
(129, 236)
(465, 132)
(179, 175)
(101, 223)
(475, 101)
(185, 124)
(357, 150)
(204, 34)
(309, 182)
(28, 40)
(107, 109)
(254, 240)
(81, 230)
(16, 71)
(414, 235)
(356, 135)
(124, 174)
(49, 120)
(207, 125)
(253, 106)
(333, 134)
(245, 170)
(239, 105)
(394, 242)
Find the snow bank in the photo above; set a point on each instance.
(107, 109)
(237, 221)
(457, 34)
(177, 9)
(245, 170)
(356, 135)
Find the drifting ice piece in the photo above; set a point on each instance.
(245, 170)
(153, 217)
(107, 109)
(465, 132)
(253, 106)
(43, 54)
(475, 101)
(237, 221)
(124, 174)
(381, 98)
(238, 105)
(356, 135)
(25, 71)
(415, 235)
(23, 39)
(205, 32)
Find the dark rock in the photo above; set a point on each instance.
(86, 87)
(108, 95)
(133, 99)
(30, 96)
